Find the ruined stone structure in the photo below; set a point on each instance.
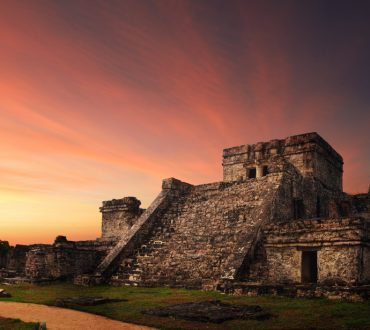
(118, 216)
(64, 259)
(278, 220)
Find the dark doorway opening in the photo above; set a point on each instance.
(344, 209)
(298, 208)
(252, 173)
(265, 170)
(318, 207)
(309, 267)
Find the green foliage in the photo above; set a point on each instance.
(4, 245)
(289, 313)
(15, 324)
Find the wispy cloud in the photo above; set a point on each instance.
(104, 97)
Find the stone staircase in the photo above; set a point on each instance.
(132, 269)
(202, 235)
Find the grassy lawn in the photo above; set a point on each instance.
(288, 313)
(13, 324)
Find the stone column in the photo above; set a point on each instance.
(259, 171)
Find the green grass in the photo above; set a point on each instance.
(15, 324)
(289, 313)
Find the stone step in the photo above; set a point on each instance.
(139, 261)
(122, 282)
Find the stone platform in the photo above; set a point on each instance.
(352, 293)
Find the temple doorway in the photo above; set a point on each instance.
(309, 267)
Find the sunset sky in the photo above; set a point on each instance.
(104, 99)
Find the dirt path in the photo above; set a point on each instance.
(62, 319)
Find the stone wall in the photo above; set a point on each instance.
(342, 247)
(4, 253)
(65, 259)
(335, 264)
(13, 258)
(17, 258)
(360, 204)
(339, 264)
(284, 265)
(365, 276)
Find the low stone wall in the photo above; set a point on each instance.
(4, 253)
(17, 258)
(13, 258)
(65, 259)
(352, 293)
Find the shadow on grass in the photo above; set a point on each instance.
(16, 324)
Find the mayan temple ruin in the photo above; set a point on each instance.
(278, 223)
